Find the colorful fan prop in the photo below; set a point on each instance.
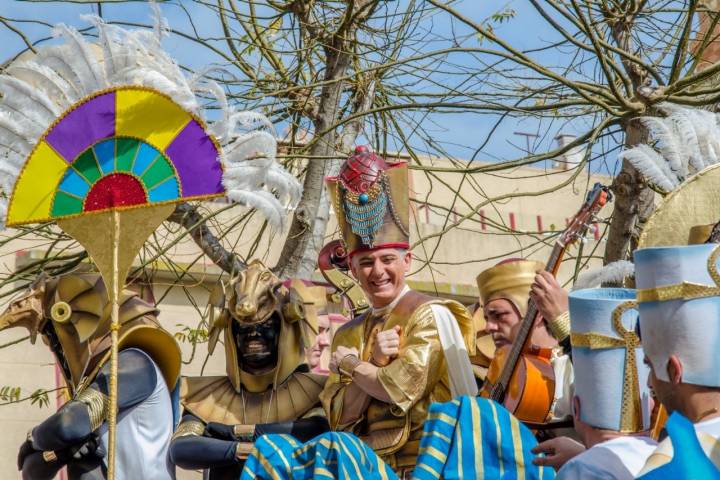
(127, 147)
(105, 138)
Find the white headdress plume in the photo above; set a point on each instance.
(683, 143)
(614, 273)
(37, 91)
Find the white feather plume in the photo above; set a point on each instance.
(46, 79)
(36, 92)
(666, 136)
(263, 201)
(615, 272)
(685, 141)
(82, 59)
(648, 162)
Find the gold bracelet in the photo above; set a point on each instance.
(243, 450)
(560, 326)
(98, 406)
(49, 456)
(244, 433)
(189, 428)
(348, 364)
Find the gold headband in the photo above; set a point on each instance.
(685, 290)
(631, 409)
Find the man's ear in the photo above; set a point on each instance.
(407, 260)
(674, 369)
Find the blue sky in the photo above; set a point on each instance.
(461, 132)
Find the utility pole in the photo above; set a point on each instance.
(527, 136)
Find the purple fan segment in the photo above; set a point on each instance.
(86, 125)
(196, 160)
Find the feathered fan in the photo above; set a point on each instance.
(104, 138)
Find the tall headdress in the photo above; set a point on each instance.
(678, 289)
(510, 280)
(370, 199)
(610, 376)
(105, 138)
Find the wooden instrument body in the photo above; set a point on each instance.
(531, 390)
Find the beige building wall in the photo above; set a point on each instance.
(458, 256)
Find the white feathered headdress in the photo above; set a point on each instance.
(39, 93)
(683, 143)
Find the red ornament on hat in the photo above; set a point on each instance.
(361, 170)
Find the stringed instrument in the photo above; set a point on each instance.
(520, 375)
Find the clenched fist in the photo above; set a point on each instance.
(387, 345)
(339, 354)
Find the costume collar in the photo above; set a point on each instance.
(382, 311)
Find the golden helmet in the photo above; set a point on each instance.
(253, 297)
(72, 314)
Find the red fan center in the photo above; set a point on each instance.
(115, 190)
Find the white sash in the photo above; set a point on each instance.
(462, 380)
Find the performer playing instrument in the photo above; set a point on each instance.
(612, 399)
(504, 293)
(268, 387)
(390, 363)
(529, 373)
(72, 315)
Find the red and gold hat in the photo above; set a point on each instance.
(370, 198)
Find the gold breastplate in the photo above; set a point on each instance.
(213, 399)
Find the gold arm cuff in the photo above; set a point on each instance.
(348, 364)
(189, 428)
(49, 456)
(98, 406)
(243, 450)
(560, 326)
(244, 432)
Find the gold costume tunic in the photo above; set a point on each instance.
(414, 380)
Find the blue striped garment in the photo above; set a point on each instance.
(332, 455)
(472, 437)
(689, 459)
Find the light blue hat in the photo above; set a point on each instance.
(679, 297)
(610, 376)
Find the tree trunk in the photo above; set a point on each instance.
(634, 202)
(302, 228)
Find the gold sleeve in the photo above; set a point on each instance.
(419, 364)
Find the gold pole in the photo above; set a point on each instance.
(114, 327)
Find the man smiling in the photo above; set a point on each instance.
(389, 364)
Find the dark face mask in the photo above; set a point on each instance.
(257, 344)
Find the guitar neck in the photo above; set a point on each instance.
(523, 336)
